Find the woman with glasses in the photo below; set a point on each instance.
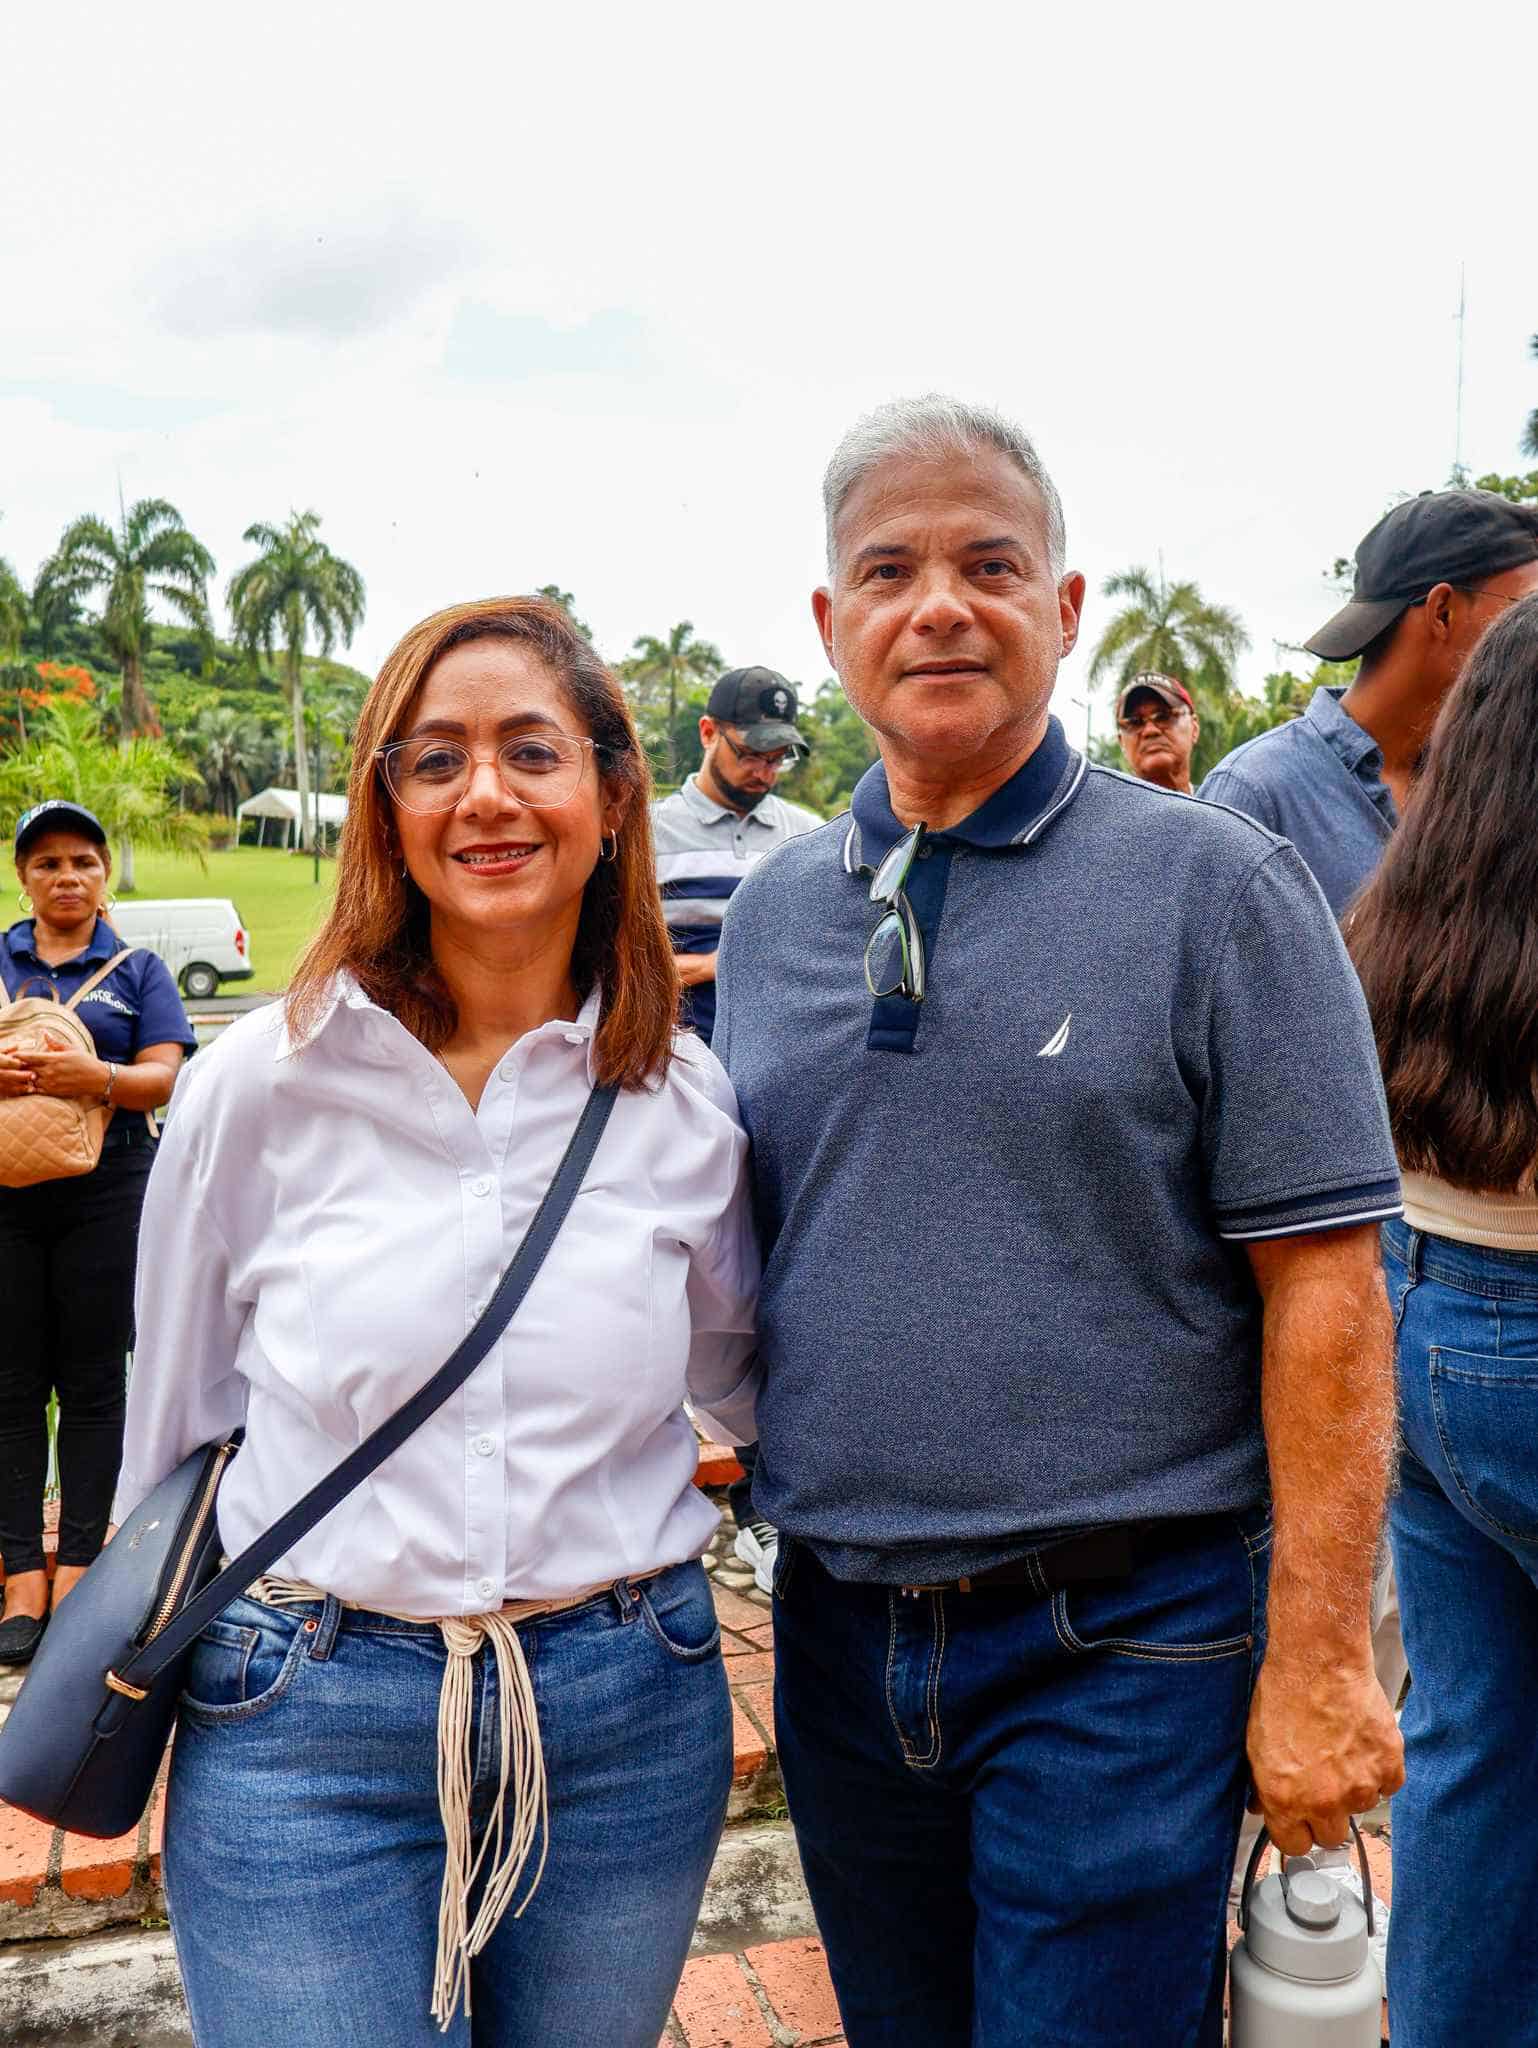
(1446, 941)
(478, 1720)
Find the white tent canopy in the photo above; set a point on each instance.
(284, 805)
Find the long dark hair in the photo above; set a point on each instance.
(1445, 937)
(378, 924)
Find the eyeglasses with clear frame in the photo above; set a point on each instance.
(894, 953)
(540, 769)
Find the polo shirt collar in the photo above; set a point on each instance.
(709, 812)
(1018, 811)
(22, 940)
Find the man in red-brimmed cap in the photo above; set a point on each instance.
(1158, 728)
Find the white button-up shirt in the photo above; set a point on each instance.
(324, 1224)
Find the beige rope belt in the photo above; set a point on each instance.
(505, 1847)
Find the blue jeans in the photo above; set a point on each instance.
(304, 1850)
(1017, 1814)
(1462, 1955)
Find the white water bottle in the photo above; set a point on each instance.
(1300, 1975)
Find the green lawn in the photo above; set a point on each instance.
(273, 891)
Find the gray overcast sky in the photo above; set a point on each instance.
(586, 295)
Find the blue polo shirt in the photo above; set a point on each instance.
(137, 1005)
(1318, 781)
(1005, 1292)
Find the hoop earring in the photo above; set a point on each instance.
(109, 904)
(26, 903)
(610, 840)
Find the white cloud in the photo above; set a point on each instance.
(512, 298)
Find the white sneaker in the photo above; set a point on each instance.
(758, 1545)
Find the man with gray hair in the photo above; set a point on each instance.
(1069, 1221)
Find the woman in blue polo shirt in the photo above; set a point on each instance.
(67, 1247)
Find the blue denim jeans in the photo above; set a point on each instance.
(1017, 1814)
(1462, 1950)
(304, 1850)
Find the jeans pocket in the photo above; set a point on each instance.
(1486, 1414)
(237, 1671)
(678, 1609)
(1188, 1604)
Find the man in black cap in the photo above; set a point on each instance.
(1158, 728)
(710, 833)
(1430, 577)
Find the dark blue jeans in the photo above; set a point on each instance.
(1462, 1955)
(1017, 1814)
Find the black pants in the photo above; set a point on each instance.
(740, 1493)
(67, 1252)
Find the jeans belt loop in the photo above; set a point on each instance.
(323, 1641)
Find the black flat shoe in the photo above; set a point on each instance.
(20, 1636)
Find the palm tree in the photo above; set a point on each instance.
(226, 745)
(14, 616)
(54, 606)
(151, 557)
(294, 588)
(1170, 627)
(656, 665)
(1530, 435)
(14, 613)
(129, 787)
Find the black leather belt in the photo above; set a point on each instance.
(122, 1135)
(1075, 1561)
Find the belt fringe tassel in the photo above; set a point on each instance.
(503, 1856)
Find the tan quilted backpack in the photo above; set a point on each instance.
(49, 1137)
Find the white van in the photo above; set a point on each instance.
(200, 938)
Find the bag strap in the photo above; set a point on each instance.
(85, 988)
(97, 978)
(258, 1557)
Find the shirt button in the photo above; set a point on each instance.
(486, 1588)
(509, 1072)
(574, 1038)
(481, 1186)
(484, 1446)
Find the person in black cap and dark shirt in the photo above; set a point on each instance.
(710, 833)
(1430, 577)
(68, 1247)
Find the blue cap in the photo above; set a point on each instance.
(57, 814)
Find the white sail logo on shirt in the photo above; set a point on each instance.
(1057, 1041)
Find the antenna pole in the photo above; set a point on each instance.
(1458, 414)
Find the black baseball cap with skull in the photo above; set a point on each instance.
(761, 704)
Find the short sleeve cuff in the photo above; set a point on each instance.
(1336, 1209)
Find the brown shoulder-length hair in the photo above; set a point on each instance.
(378, 925)
(1445, 936)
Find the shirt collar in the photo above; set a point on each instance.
(1017, 813)
(22, 940)
(1340, 731)
(346, 993)
(709, 812)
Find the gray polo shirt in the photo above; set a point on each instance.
(1005, 1291)
(703, 851)
(1318, 781)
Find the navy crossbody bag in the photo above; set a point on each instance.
(84, 1740)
